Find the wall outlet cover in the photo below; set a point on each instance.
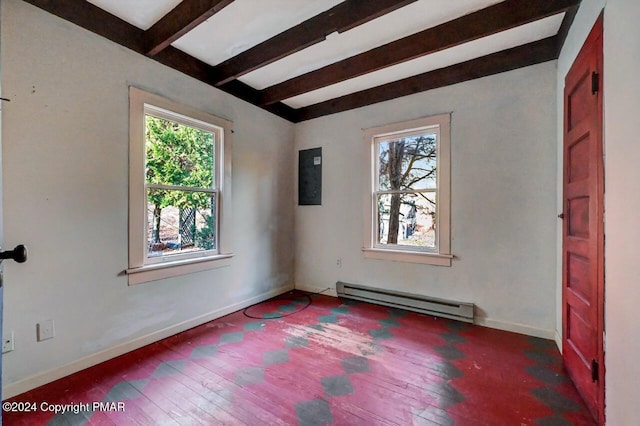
(7, 342)
(45, 330)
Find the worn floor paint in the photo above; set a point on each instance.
(336, 362)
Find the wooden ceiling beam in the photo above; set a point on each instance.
(341, 17)
(98, 21)
(187, 15)
(506, 60)
(485, 22)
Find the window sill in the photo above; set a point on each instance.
(160, 271)
(438, 259)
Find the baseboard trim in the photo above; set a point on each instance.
(16, 388)
(515, 328)
(327, 291)
(558, 339)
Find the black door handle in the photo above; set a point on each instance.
(19, 254)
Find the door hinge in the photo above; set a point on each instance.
(561, 215)
(595, 371)
(595, 83)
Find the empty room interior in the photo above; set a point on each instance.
(320, 212)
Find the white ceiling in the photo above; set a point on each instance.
(244, 24)
(141, 13)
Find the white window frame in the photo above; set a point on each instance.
(441, 253)
(141, 268)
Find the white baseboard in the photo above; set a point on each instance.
(558, 339)
(16, 388)
(515, 328)
(327, 291)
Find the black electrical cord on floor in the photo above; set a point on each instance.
(282, 297)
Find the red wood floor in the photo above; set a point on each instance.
(336, 362)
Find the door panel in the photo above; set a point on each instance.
(583, 231)
(578, 267)
(578, 99)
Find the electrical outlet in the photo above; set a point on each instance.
(45, 330)
(7, 342)
(339, 262)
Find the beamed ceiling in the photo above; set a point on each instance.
(302, 59)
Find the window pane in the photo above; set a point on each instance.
(178, 155)
(180, 222)
(407, 163)
(407, 219)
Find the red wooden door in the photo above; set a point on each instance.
(583, 230)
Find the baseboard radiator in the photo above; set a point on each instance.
(413, 302)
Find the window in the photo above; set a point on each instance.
(179, 176)
(407, 202)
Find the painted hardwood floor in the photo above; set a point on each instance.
(336, 362)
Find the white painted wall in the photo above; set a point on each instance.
(622, 198)
(503, 145)
(65, 154)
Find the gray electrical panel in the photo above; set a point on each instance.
(310, 177)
